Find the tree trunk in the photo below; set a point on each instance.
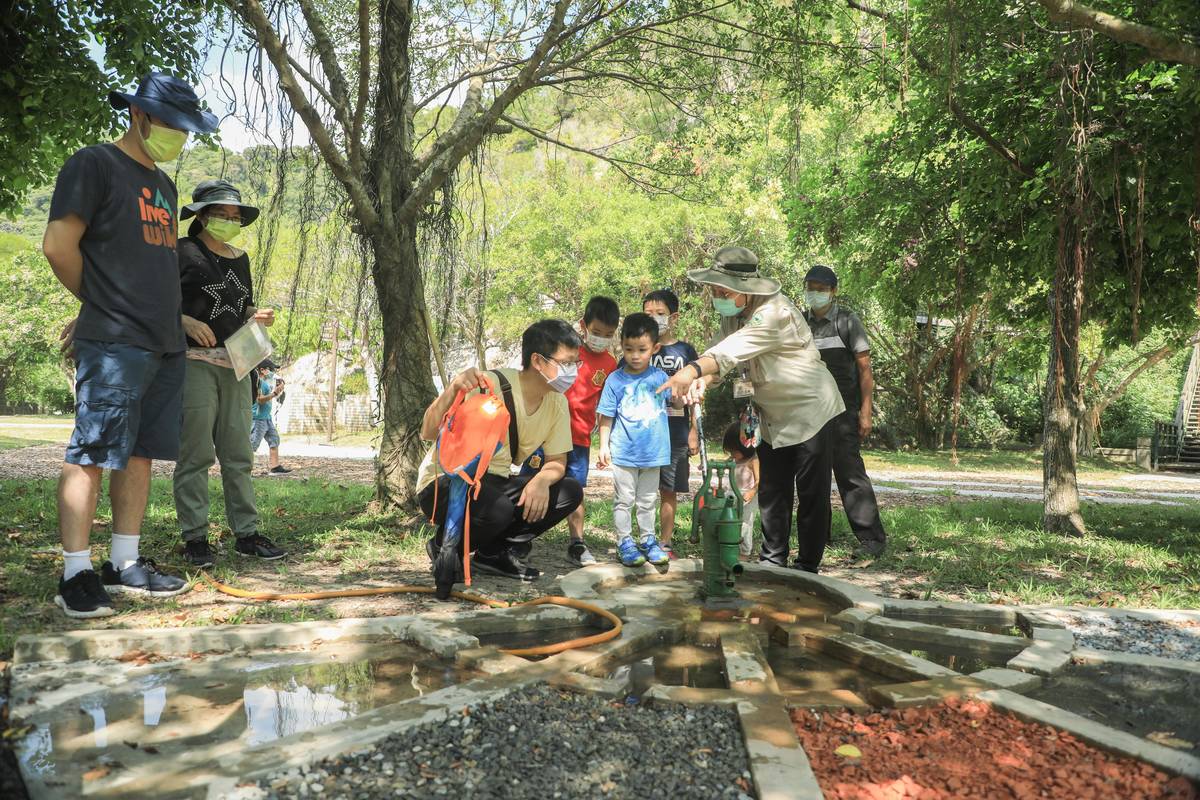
(1062, 403)
(404, 370)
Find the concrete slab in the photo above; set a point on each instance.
(924, 693)
(1084, 655)
(1011, 679)
(911, 635)
(1041, 658)
(876, 657)
(780, 766)
(947, 612)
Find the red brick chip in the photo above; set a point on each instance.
(965, 749)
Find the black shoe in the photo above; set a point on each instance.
(258, 545)
(83, 597)
(280, 470)
(802, 568)
(141, 577)
(198, 553)
(870, 548)
(579, 555)
(506, 564)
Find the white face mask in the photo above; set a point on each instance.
(818, 299)
(664, 322)
(565, 378)
(597, 343)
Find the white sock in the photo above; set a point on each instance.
(75, 563)
(124, 550)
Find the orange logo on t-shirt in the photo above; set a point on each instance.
(598, 377)
(158, 219)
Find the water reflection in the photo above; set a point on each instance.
(254, 701)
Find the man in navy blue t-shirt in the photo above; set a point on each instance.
(111, 241)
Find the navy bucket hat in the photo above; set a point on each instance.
(169, 98)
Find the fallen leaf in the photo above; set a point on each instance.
(96, 773)
(1169, 739)
(849, 751)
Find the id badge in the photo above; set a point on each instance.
(742, 387)
(535, 461)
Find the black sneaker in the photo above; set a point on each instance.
(506, 564)
(83, 597)
(579, 555)
(141, 577)
(198, 553)
(280, 470)
(258, 545)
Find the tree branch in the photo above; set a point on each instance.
(323, 42)
(253, 14)
(364, 82)
(451, 148)
(1160, 44)
(974, 127)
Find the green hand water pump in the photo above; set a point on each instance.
(717, 521)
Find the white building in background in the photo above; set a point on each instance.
(305, 406)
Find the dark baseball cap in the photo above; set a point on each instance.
(819, 273)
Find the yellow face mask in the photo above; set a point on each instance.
(163, 143)
(223, 230)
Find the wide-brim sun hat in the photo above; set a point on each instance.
(218, 193)
(736, 269)
(169, 98)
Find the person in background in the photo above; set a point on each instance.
(600, 318)
(511, 511)
(840, 336)
(635, 440)
(262, 420)
(765, 340)
(111, 241)
(218, 298)
(663, 306)
(747, 476)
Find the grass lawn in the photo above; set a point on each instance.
(989, 551)
(984, 461)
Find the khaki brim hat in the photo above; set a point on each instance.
(736, 269)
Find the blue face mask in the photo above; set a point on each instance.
(726, 307)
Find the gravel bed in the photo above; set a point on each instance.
(1168, 639)
(540, 743)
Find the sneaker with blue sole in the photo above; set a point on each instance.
(630, 554)
(653, 553)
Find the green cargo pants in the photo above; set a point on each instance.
(216, 422)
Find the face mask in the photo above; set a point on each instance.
(597, 343)
(163, 144)
(565, 379)
(223, 230)
(818, 299)
(663, 323)
(726, 307)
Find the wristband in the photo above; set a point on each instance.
(696, 366)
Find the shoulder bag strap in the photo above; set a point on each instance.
(507, 391)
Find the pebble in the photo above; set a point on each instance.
(542, 743)
(1165, 638)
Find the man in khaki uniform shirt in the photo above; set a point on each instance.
(765, 335)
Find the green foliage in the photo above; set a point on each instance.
(34, 308)
(53, 93)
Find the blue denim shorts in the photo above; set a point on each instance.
(128, 403)
(577, 463)
(260, 428)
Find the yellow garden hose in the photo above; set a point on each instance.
(541, 650)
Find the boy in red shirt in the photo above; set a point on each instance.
(596, 363)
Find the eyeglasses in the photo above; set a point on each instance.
(225, 216)
(564, 364)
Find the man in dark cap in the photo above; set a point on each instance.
(840, 336)
(111, 241)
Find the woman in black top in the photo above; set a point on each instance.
(218, 298)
